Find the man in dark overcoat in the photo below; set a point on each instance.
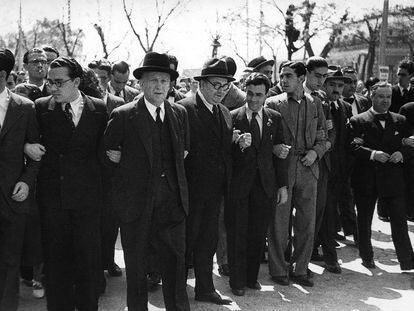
(208, 169)
(147, 140)
(376, 139)
(17, 126)
(69, 189)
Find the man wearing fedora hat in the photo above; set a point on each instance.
(262, 65)
(146, 141)
(336, 167)
(208, 168)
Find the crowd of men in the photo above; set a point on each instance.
(230, 168)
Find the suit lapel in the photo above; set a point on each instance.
(284, 111)
(172, 124)
(242, 122)
(265, 128)
(13, 114)
(140, 119)
(389, 129)
(206, 116)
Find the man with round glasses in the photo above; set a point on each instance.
(208, 170)
(69, 190)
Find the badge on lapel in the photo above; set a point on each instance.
(269, 122)
(396, 133)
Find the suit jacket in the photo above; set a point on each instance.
(208, 149)
(338, 153)
(397, 100)
(363, 103)
(315, 124)
(112, 102)
(234, 98)
(70, 175)
(19, 127)
(372, 177)
(273, 171)
(129, 129)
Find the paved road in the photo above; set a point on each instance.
(357, 288)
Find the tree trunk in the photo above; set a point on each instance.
(371, 58)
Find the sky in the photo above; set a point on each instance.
(187, 34)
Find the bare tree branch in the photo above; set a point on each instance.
(128, 16)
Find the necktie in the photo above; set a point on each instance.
(255, 131)
(158, 117)
(216, 114)
(349, 100)
(118, 93)
(381, 116)
(404, 92)
(69, 115)
(334, 110)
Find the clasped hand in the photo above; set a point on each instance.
(383, 157)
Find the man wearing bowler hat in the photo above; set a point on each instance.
(208, 168)
(146, 142)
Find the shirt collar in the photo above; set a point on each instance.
(407, 88)
(4, 97)
(153, 109)
(375, 112)
(112, 90)
(306, 89)
(75, 104)
(249, 112)
(208, 105)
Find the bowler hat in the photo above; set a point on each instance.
(215, 67)
(335, 73)
(258, 62)
(155, 62)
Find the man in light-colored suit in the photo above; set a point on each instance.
(304, 134)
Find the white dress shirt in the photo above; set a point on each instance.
(76, 108)
(4, 104)
(152, 109)
(259, 117)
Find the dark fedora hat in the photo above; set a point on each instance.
(335, 73)
(155, 62)
(258, 62)
(215, 67)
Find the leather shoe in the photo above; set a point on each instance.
(238, 292)
(153, 280)
(369, 264)
(114, 270)
(303, 280)
(281, 280)
(224, 270)
(212, 297)
(316, 257)
(255, 286)
(339, 237)
(384, 218)
(334, 268)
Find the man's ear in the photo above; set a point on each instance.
(25, 66)
(3, 75)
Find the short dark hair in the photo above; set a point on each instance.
(50, 49)
(298, 67)
(121, 67)
(315, 62)
(257, 78)
(174, 61)
(6, 61)
(371, 81)
(34, 50)
(407, 65)
(89, 84)
(75, 70)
